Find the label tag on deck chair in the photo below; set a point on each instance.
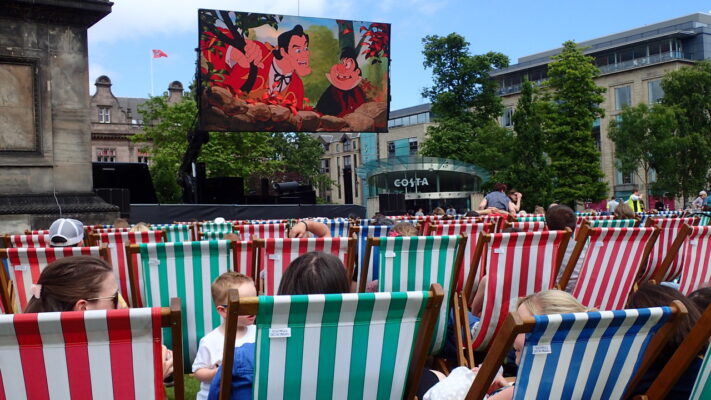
(389, 254)
(112, 245)
(542, 349)
(599, 244)
(275, 256)
(154, 262)
(279, 332)
(499, 251)
(20, 267)
(693, 242)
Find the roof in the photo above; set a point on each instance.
(403, 112)
(133, 103)
(332, 137)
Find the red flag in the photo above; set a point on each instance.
(159, 54)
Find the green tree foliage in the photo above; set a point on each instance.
(529, 171)
(685, 167)
(324, 53)
(640, 135)
(249, 155)
(464, 104)
(572, 109)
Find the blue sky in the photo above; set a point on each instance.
(120, 44)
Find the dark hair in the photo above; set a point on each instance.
(471, 213)
(701, 297)
(68, 280)
(284, 39)
(499, 187)
(651, 295)
(315, 273)
(382, 221)
(559, 217)
(349, 52)
(512, 230)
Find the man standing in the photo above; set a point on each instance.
(698, 203)
(612, 205)
(635, 201)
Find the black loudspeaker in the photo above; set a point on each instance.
(132, 176)
(226, 190)
(117, 197)
(394, 202)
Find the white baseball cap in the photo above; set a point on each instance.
(66, 232)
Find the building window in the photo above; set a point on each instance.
(104, 115)
(655, 91)
(391, 149)
(338, 174)
(106, 155)
(596, 134)
(623, 96)
(325, 165)
(507, 119)
(413, 146)
(143, 159)
(346, 161)
(346, 145)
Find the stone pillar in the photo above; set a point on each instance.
(45, 133)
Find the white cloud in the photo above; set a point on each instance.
(130, 19)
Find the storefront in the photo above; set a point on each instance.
(425, 182)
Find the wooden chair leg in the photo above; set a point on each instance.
(468, 345)
(458, 325)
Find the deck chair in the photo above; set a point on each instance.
(531, 218)
(499, 221)
(223, 227)
(275, 255)
(262, 231)
(669, 230)
(528, 226)
(410, 263)
(362, 234)
(613, 223)
(593, 355)
(517, 264)
(338, 228)
(177, 232)
(472, 231)
(682, 358)
(37, 232)
(114, 354)
(696, 264)
(244, 257)
(110, 230)
(117, 242)
(185, 270)
(355, 345)
(611, 264)
(579, 220)
(25, 265)
(39, 240)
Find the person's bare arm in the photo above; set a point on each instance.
(205, 374)
(318, 229)
(482, 205)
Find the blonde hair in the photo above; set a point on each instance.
(438, 211)
(405, 229)
(140, 227)
(223, 283)
(551, 302)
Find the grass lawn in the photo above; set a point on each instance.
(192, 387)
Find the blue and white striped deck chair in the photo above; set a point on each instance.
(176, 232)
(593, 355)
(351, 345)
(338, 228)
(185, 270)
(363, 233)
(414, 263)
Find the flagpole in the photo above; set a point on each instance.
(152, 74)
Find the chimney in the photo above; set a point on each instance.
(175, 92)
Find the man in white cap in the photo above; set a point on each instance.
(699, 202)
(66, 232)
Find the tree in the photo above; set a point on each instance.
(685, 167)
(572, 109)
(640, 134)
(528, 170)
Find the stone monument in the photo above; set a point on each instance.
(45, 134)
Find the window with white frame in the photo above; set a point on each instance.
(655, 91)
(507, 118)
(106, 154)
(325, 165)
(105, 115)
(623, 96)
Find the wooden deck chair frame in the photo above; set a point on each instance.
(7, 241)
(250, 306)
(7, 288)
(580, 245)
(684, 355)
(171, 318)
(515, 324)
(259, 246)
(673, 250)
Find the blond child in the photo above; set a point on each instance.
(209, 354)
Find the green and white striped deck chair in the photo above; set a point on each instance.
(185, 270)
(223, 227)
(410, 263)
(613, 223)
(536, 218)
(176, 232)
(351, 345)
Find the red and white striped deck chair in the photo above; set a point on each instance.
(26, 263)
(517, 264)
(528, 226)
(275, 255)
(110, 230)
(117, 242)
(611, 264)
(26, 241)
(37, 232)
(669, 230)
(473, 231)
(261, 231)
(499, 221)
(114, 354)
(245, 263)
(696, 264)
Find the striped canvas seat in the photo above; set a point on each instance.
(472, 231)
(410, 263)
(696, 264)
(517, 264)
(185, 270)
(110, 230)
(528, 218)
(705, 219)
(498, 220)
(212, 235)
(224, 227)
(354, 345)
(702, 386)
(261, 231)
(113, 354)
(26, 263)
(338, 228)
(39, 240)
(176, 232)
(37, 232)
(613, 259)
(245, 262)
(363, 233)
(594, 355)
(613, 223)
(117, 242)
(579, 220)
(528, 226)
(669, 230)
(278, 253)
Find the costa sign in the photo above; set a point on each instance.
(412, 182)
